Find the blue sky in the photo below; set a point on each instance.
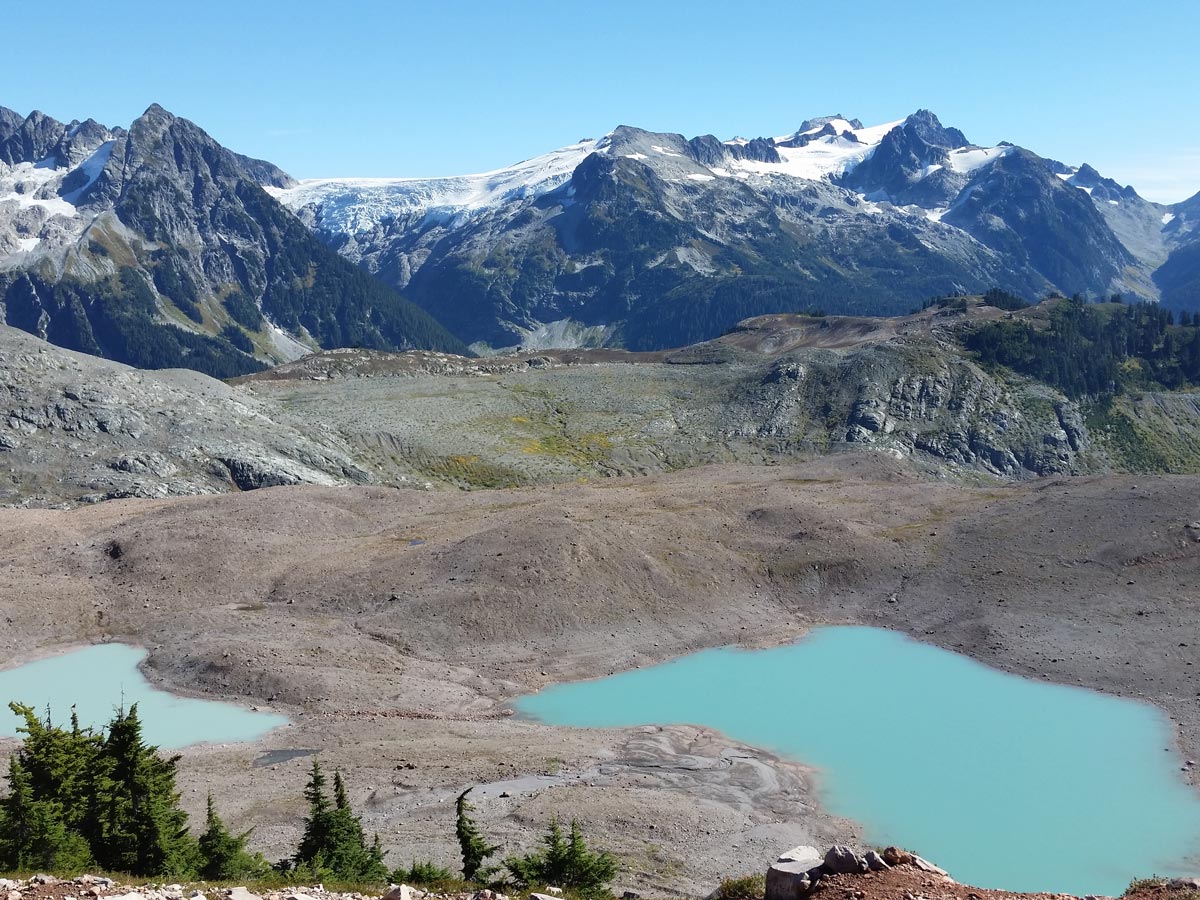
(368, 88)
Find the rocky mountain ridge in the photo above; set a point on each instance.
(649, 240)
(74, 428)
(157, 246)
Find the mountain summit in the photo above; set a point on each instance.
(650, 240)
(157, 246)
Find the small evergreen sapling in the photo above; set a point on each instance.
(470, 841)
(333, 843)
(566, 862)
(224, 855)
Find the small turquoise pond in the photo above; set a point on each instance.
(1006, 782)
(96, 679)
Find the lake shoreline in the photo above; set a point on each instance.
(96, 681)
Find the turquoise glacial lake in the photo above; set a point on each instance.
(1005, 782)
(97, 679)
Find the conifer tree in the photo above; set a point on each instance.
(565, 862)
(223, 855)
(56, 760)
(32, 832)
(145, 831)
(474, 848)
(375, 869)
(340, 799)
(316, 827)
(78, 798)
(333, 840)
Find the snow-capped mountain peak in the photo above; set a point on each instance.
(823, 147)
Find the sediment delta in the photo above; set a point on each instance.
(393, 628)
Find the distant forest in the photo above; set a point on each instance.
(1095, 349)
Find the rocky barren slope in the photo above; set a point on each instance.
(78, 428)
(775, 389)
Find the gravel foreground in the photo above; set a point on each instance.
(843, 875)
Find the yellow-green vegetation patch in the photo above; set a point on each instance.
(580, 449)
(747, 887)
(102, 241)
(469, 471)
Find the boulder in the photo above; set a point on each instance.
(926, 866)
(841, 860)
(400, 892)
(894, 856)
(788, 880)
(1181, 884)
(241, 893)
(875, 862)
(803, 853)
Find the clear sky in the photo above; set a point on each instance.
(376, 88)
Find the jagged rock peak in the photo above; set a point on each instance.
(710, 151)
(10, 121)
(926, 126)
(32, 140)
(1102, 188)
(38, 137)
(158, 111)
(157, 119)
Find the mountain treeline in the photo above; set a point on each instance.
(309, 286)
(1098, 349)
(117, 318)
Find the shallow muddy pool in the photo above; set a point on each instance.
(96, 680)
(1006, 782)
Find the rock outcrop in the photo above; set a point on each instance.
(792, 877)
(77, 428)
